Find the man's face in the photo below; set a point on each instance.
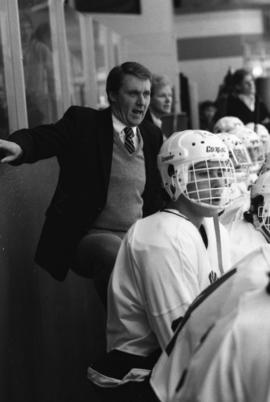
(161, 101)
(130, 103)
(247, 86)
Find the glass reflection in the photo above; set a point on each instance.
(4, 124)
(75, 56)
(37, 62)
(101, 55)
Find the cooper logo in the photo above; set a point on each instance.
(209, 148)
(167, 158)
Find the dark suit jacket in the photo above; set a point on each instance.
(82, 141)
(148, 117)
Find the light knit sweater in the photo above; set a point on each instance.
(127, 181)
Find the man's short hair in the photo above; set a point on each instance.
(117, 74)
(159, 81)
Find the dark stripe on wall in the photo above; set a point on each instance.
(109, 6)
(212, 47)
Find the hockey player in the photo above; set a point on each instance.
(165, 260)
(183, 366)
(253, 230)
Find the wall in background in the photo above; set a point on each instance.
(150, 36)
(208, 44)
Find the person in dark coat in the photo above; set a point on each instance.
(243, 102)
(108, 176)
(161, 101)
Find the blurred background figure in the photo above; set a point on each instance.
(224, 90)
(38, 75)
(243, 102)
(161, 102)
(207, 110)
(226, 124)
(42, 34)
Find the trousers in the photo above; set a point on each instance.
(96, 255)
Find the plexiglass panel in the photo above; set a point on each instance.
(116, 43)
(101, 61)
(74, 42)
(38, 63)
(4, 123)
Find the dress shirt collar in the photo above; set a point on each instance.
(118, 127)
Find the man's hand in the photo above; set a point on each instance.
(9, 151)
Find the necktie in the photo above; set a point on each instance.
(129, 143)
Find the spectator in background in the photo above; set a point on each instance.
(207, 111)
(161, 99)
(224, 90)
(38, 75)
(165, 260)
(183, 367)
(243, 102)
(43, 34)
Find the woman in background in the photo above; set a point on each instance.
(243, 102)
(161, 99)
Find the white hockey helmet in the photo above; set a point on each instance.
(261, 130)
(227, 124)
(196, 163)
(262, 188)
(238, 154)
(253, 144)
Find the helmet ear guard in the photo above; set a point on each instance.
(196, 163)
(260, 202)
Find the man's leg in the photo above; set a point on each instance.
(96, 257)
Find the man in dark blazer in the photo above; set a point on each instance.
(106, 180)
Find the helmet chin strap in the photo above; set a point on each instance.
(259, 226)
